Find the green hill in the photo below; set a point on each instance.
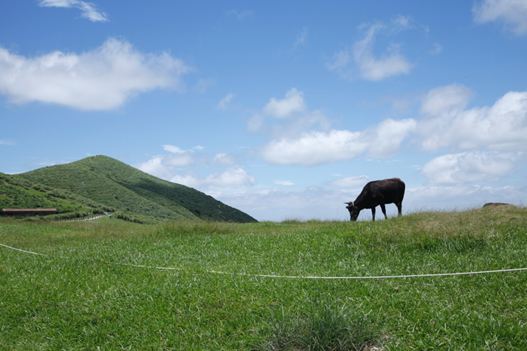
(18, 192)
(123, 188)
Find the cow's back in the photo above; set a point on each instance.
(388, 190)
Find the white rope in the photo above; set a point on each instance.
(24, 251)
(311, 277)
(358, 277)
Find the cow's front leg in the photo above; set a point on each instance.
(373, 214)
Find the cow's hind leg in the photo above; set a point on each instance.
(399, 208)
(373, 213)
(383, 208)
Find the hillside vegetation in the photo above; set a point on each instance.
(83, 294)
(20, 193)
(134, 194)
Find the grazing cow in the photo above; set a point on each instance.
(375, 193)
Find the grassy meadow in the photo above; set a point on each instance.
(82, 296)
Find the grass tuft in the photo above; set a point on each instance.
(326, 329)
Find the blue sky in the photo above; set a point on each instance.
(284, 109)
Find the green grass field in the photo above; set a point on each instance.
(81, 296)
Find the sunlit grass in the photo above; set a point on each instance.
(82, 297)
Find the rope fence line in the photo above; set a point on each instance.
(305, 277)
(24, 251)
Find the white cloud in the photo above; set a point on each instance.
(236, 176)
(101, 79)
(178, 160)
(318, 147)
(386, 138)
(291, 116)
(467, 167)
(448, 123)
(339, 64)
(292, 103)
(173, 149)
(445, 99)
(350, 183)
(165, 166)
(277, 205)
(225, 101)
(255, 123)
(403, 22)
(372, 66)
(284, 182)
(315, 147)
(223, 158)
(307, 121)
(362, 59)
(179, 165)
(88, 9)
(232, 181)
(392, 63)
(513, 13)
(155, 166)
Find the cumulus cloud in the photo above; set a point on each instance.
(88, 9)
(287, 116)
(370, 65)
(100, 79)
(155, 166)
(467, 167)
(448, 123)
(165, 166)
(513, 13)
(284, 182)
(387, 137)
(185, 166)
(223, 158)
(350, 183)
(177, 157)
(255, 123)
(232, 177)
(448, 98)
(225, 101)
(375, 68)
(315, 148)
(292, 103)
(339, 63)
(234, 180)
(401, 21)
(318, 147)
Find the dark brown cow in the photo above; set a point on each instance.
(378, 193)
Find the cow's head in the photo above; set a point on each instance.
(353, 210)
